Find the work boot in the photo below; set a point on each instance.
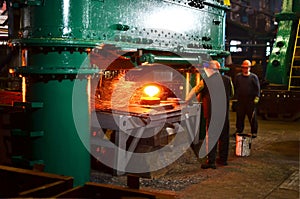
(208, 165)
(254, 135)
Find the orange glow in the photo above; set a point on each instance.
(11, 71)
(23, 89)
(151, 90)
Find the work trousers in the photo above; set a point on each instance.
(223, 144)
(244, 108)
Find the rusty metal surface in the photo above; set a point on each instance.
(141, 110)
(8, 97)
(16, 182)
(96, 190)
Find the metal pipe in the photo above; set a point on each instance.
(150, 58)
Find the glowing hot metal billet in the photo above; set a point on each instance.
(150, 91)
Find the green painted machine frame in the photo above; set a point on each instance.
(278, 68)
(278, 101)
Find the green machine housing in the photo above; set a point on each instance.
(56, 39)
(280, 99)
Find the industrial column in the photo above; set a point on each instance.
(55, 45)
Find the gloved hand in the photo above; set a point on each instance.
(256, 100)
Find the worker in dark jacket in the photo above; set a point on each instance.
(224, 137)
(247, 90)
(223, 140)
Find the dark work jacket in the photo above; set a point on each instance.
(246, 87)
(206, 101)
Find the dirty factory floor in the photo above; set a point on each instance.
(271, 170)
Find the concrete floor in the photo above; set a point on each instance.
(271, 171)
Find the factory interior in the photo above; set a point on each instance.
(95, 98)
